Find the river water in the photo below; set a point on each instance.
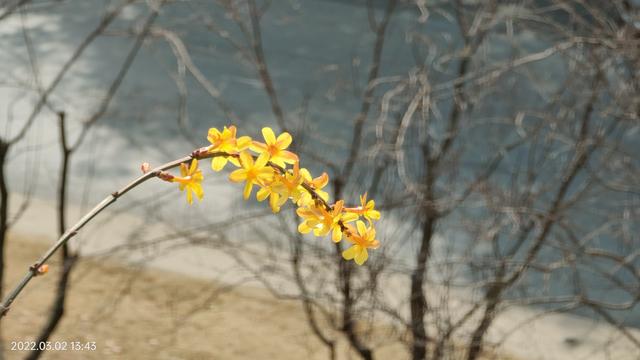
(318, 53)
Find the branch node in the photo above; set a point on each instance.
(199, 153)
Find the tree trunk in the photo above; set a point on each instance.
(4, 209)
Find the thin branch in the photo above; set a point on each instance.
(71, 232)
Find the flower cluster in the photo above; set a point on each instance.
(276, 172)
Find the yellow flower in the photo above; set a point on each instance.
(366, 209)
(316, 184)
(275, 147)
(282, 188)
(190, 179)
(252, 173)
(226, 141)
(289, 184)
(363, 240)
(275, 201)
(322, 221)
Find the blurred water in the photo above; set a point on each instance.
(318, 53)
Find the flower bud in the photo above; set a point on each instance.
(43, 269)
(165, 176)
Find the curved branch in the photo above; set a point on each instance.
(71, 232)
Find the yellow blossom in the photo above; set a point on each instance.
(366, 209)
(283, 187)
(275, 147)
(364, 239)
(252, 172)
(289, 185)
(321, 221)
(226, 141)
(267, 191)
(316, 184)
(190, 179)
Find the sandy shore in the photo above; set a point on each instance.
(154, 314)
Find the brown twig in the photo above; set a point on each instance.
(106, 202)
(202, 153)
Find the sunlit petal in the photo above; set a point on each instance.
(262, 160)
(238, 175)
(337, 234)
(284, 140)
(269, 136)
(189, 197)
(288, 157)
(218, 163)
(246, 159)
(304, 228)
(247, 189)
(258, 146)
(262, 194)
(362, 256)
(243, 143)
(362, 228)
(351, 252)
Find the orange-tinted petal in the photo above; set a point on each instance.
(288, 156)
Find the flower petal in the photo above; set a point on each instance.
(306, 175)
(189, 196)
(269, 136)
(243, 142)
(304, 228)
(337, 207)
(218, 163)
(288, 156)
(262, 160)
(321, 181)
(247, 189)
(284, 140)
(362, 257)
(278, 161)
(351, 252)
(238, 175)
(274, 203)
(258, 147)
(197, 189)
(246, 159)
(213, 135)
(337, 234)
(263, 193)
(194, 166)
(362, 228)
(349, 217)
(373, 214)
